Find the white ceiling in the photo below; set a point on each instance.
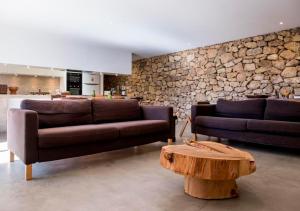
(154, 27)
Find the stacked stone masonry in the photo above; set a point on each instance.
(232, 70)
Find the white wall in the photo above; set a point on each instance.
(29, 47)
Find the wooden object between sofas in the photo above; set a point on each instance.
(186, 122)
(210, 168)
(189, 120)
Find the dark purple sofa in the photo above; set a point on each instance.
(49, 130)
(264, 121)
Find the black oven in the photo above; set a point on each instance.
(74, 82)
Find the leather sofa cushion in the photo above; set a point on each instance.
(115, 110)
(283, 110)
(61, 112)
(72, 135)
(274, 127)
(249, 109)
(224, 123)
(140, 127)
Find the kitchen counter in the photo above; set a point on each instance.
(24, 96)
(13, 101)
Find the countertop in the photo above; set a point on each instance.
(24, 96)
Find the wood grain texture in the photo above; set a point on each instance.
(210, 189)
(207, 160)
(28, 172)
(210, 168)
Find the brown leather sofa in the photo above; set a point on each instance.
(50, 130)
(264, 121)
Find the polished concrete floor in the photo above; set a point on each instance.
(132, 179)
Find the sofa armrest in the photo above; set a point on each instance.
(201, 110)
(160, 113)
(22, 134)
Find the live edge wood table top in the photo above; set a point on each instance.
(210, 169)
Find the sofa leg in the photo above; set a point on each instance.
(28, 172)
(11, 156)
(170, 141)
(195, 137)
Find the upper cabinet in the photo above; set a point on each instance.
(31, 71)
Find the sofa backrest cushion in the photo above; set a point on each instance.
(283, 110)
(115, 110)
(249, 109)
(60, 112)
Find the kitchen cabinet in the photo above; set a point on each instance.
(91, 78)
(88, 89)
(91, 83)
(31, 71)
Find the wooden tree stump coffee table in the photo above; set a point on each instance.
(210, 169)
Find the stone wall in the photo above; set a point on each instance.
(263, 64)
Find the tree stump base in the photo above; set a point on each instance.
(210, 189)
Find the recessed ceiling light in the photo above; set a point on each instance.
(280, 23)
